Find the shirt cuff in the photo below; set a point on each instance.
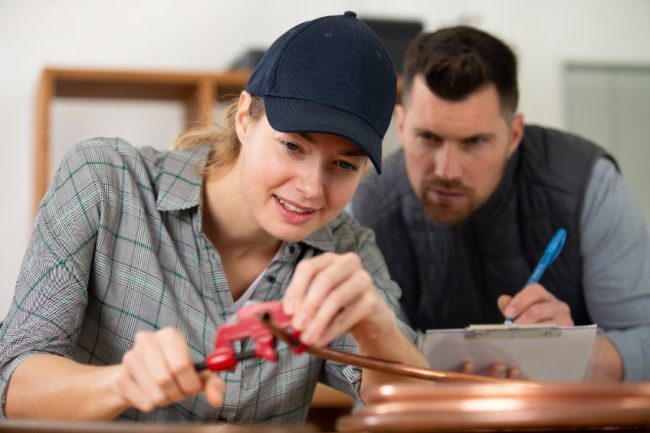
(631, 354)
(5, 377)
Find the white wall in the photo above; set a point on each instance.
(207, 35)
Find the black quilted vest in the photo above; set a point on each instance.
(452, 277)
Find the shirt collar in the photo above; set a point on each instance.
(323, 238)
(180, 179)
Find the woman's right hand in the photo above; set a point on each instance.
(159, 371)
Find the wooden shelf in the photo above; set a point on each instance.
(197, 91)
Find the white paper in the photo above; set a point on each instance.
(542, 352)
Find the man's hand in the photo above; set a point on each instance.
(498, 369)
(159, 371)
(535, 304)
(608, 364)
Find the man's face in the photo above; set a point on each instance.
(456, 152)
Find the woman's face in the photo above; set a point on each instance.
(294, 183)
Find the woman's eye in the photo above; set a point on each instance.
(346, 165)
(291, 147)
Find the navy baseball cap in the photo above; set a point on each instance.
(330, 75)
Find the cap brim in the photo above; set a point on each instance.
(298, 115)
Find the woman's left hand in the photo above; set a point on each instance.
(331, 294)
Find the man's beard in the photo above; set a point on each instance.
(447, 215)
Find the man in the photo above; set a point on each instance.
(464, 211)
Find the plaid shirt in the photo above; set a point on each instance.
(118, 248)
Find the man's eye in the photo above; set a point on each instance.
(428, 137)
(475, 141)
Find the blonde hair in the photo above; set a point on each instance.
(222, 136)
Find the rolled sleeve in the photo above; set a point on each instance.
(51, 295)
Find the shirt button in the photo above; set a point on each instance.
(270, 279)
(292, 248)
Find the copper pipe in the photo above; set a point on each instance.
(383, 365)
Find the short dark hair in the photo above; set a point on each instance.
(457, 61)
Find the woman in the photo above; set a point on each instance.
(138, 256)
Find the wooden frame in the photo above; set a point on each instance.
(198, 91)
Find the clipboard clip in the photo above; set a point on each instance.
(512, 331)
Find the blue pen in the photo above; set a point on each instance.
(552, 250)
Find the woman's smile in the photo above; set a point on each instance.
(292, 212)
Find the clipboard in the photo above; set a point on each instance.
(543, 352)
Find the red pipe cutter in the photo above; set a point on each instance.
(249, 324)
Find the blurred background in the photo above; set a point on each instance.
(584, 67)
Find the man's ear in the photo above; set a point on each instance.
(243, 118)
(517, 132)
(399, 118)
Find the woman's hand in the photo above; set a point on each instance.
(159, 371)
(332, 294)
